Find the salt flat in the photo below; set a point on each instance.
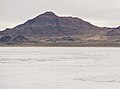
(59, 68)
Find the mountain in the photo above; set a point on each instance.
(114, 32)
(48, 29)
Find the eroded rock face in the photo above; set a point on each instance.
(5, 39)
(19, 39)
(9, 39)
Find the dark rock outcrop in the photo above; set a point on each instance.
(19, 39)
(5, 39)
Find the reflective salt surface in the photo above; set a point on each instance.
(59, 68)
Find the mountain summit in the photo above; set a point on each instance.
(49, 14)
(51, 30)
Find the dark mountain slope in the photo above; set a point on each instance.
(114, 32)
(49, 24)
(51, 30)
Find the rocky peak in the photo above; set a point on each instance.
(49, 14)
(43, 18)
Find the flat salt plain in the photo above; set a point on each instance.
(59, 68)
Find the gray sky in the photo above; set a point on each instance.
(98, 12)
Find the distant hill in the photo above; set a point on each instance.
(48, 29)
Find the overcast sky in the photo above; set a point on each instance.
(98, 12)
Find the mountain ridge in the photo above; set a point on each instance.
(48, 29)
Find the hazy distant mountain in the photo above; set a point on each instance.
(48, 29)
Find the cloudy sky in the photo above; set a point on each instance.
(98, 12)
